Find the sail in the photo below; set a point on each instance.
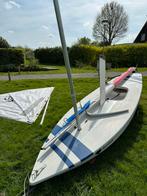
(25, 105)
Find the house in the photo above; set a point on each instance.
(142, 36)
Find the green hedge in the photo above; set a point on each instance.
(49, 55)
(127, 55)
(84, 53)
(118, 55)
(10, 58)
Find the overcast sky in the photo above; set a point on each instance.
(32, 23)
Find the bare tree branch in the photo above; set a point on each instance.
(117, 23)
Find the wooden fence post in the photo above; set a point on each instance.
(9, 76)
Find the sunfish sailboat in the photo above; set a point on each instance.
(66, 147)
(25, 105)
(91, 125)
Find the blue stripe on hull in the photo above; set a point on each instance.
(64, 158)
(77, 147)
(72, 117)
(57, 128)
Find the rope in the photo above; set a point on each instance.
(24, 184)
(26, 190)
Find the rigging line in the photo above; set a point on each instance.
(107, 115)
(24, 184)
(26, 190)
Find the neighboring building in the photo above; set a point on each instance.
(142, 36)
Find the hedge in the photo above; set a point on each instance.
(118, 55)
(127, 55)
(10, 58)
(49, 55)
(85, 54)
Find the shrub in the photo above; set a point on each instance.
(81, 55)
(119, 55)
(6, 68)
(4, 43)
(127, 55)
(31, 68)
(10, 58)
(84, 54)
(49, 55)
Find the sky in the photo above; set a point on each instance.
(33, 23)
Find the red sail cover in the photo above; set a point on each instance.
(123, 76)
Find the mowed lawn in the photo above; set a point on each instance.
(119, 171)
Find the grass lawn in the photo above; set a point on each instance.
(62, 70)
(119, 171)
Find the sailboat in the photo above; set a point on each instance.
(92, 124)
(26, 105)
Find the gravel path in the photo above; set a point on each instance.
(53, 76)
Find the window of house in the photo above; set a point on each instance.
(143, 37)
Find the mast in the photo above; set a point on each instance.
(102, 74)
(66, 59)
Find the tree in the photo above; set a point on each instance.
(111, 23)
(95, 43)
(84, 41)
(4, 43)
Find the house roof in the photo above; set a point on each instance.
(142, 36)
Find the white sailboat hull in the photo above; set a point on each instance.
(75, 147)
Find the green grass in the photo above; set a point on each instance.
(62, 70)
(119, 171)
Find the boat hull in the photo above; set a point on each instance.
(74, 147)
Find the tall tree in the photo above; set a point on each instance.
(4, 43)
(84, 41)
(111, 23)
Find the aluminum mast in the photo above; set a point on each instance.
(66, 59)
